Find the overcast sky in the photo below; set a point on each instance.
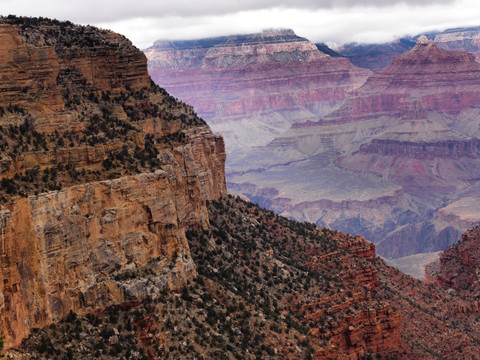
(331, 21)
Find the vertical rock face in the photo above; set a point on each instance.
(404, 145)
(253, 87)
(62, 250)
(102, 172)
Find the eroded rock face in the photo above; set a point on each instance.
(62, 250)
(132, 169)
(36, 58)
(253, 87)
(397, 151)
(459, 264)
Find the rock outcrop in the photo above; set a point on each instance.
(253, 87)
(459, 265)
(102, 172)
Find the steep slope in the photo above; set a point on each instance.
(265, 289)
(436, 324)
(253, 87)
(458, 265)
(101, 171)
(404, 146)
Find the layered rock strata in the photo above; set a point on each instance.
(460, 39)
(404, 145)
(102, 172)
(253, 87)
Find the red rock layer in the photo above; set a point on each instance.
(270, 79)
(35, 59)
(440, 80)
(460, 262)
(435, 323)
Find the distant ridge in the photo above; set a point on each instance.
(377, 56)
(267, 36)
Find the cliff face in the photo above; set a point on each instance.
(102, 173)
(61, 250)
(37, 59)
(404, 146)
(253, 87)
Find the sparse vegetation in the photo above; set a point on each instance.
(257, 295)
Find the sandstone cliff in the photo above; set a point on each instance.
(101, 172)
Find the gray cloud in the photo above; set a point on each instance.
(334, 21)
(95, 11)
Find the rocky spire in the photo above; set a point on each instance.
(423, 40)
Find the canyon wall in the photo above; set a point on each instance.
(102, 173)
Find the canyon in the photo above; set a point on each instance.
(393, 161)
(253, 87)
(118, 238)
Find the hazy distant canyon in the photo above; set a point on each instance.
(390, 150)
